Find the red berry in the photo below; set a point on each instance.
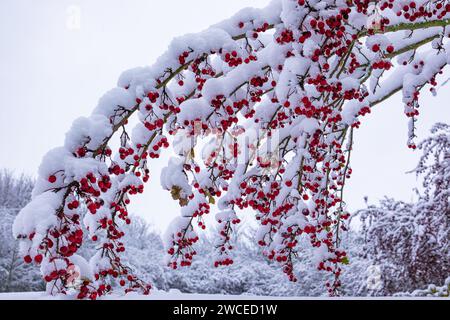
(38, 258)
(28, 259)
(52, 179)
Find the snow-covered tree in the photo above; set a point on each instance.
(274, 96)
(15, 191)
(15, 275)
(434, 205)
(411, 241)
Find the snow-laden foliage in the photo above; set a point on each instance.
(411, 241)
(274, 96)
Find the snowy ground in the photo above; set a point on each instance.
(177, 295)
(155, 295)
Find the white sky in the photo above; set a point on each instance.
(51, 73)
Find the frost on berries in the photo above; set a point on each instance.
(274, 96)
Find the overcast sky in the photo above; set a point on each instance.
(58, 57)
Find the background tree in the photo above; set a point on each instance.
(410, 241)
(15, 275)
